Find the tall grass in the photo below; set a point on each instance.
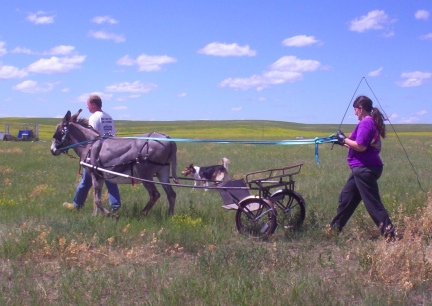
(49, 255)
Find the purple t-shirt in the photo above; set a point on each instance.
(365, 134)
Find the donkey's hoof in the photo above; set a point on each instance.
(114, 215)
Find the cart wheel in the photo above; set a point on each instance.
(290, 207)
(256, 218)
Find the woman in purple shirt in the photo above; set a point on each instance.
(364, 146)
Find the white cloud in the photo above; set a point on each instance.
(134, 87)
(286, 69)
(60, 50)
(375, 73)
(222, 49)
(236, 109)
(426, 36)
(374, 20)
(40, 18)
(57, 64)
(11, 72)
(22, 50)
(30, 86)
(120, 107)
(153, 63)
(107, 36)
(104, 19)
(393, 117)
(388, 34)
(414, 79)
(126, 61)
(413, 118)
(125, 116)
(292, 63)
(57, 50)
(408, 120)
(245, 83)
(421, 14)
(300, 41)
(182, 95)
(3, 50)
(147, 62)
(85, 96)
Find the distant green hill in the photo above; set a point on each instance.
(217, 129)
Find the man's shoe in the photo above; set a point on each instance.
(69, 206)
(114, 209)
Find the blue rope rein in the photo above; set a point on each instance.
(65, 148)
(316, 141)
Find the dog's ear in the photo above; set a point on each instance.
(191, 166)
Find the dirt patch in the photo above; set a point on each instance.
(11, 150)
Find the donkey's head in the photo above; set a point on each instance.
(61, 135)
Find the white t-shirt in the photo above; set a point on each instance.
(102, 122)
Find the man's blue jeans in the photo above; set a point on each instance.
(84, 187)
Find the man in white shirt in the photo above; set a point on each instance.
(102, 122)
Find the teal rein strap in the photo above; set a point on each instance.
(84, 142)
(329, 139)
(224, 141)
(316, 141)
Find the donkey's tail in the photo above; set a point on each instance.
(174, 162)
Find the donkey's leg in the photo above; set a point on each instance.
(163, 176)
(154, 196)
(97, 198)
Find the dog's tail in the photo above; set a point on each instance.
(225, 162)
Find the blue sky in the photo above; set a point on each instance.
(297, 61)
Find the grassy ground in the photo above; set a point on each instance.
(49, 255)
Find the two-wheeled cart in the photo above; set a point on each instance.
(258, 215)
(275, 203)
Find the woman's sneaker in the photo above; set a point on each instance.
(390, 234)
(332, 230)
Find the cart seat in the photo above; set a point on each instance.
(231, 196)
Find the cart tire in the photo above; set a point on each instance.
(256, 218)
(290, 207)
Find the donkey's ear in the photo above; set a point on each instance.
(66, 118)
(75, 117)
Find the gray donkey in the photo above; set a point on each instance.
(141, 158)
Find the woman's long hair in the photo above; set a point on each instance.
(377, 116)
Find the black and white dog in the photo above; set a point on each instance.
(204, 175)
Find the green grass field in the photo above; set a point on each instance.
(224, 129)
(52, 256)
